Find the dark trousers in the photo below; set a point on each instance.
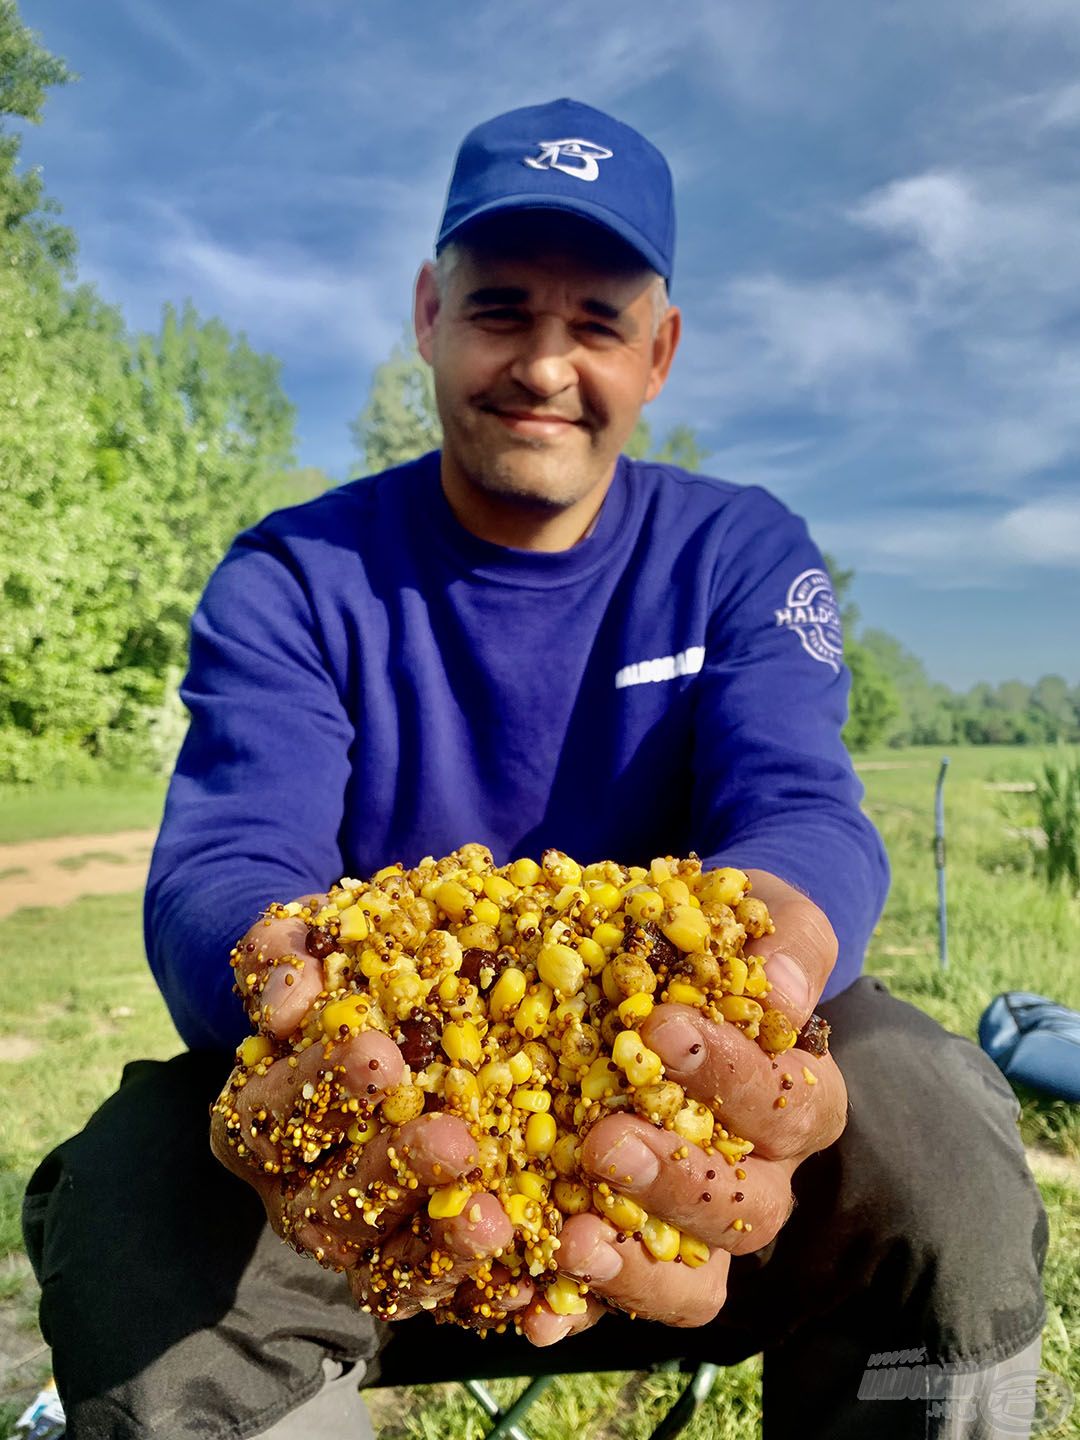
(174, 1312)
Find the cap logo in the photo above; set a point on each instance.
(572, 157)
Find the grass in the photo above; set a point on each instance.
(118, 802)
(1006, 932)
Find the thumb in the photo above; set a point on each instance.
(799, 956)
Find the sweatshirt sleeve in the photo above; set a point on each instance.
(256, 801)
(774, 786)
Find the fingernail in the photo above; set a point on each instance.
(678, 1043)
(603, 1263)
(790, 982)
(629, 1164)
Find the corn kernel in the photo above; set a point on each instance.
(532, 1014)
(524, 1213)
(571, 1197)
(448, 989)
(461, 1041)
(612, 993)
(462, 1091)
(528, 922)
(723, 887)
(733, 1146)
(349, 1013)
(538, 1101)
(527, 1182)
(593, 954)
(564, 1298)
(500, 890)
(453, 899)
(624, 1213)
(525, 872)
(674, 892)
(686, 927)
(644, 904)
(635, 1008)
(661, 1239)
(254, 1049)
(402, 1103)
(602, 892)
(608, 936)
(560, 868)
(692, 1251)
(385, 873)
(561, 968)
(694, 1123)
(449, 1201)
(679, 992)
(776, 1032)
(507, 993)
(640, 1064)
(740, 1009)
(496, 1075)
(478, 936)
(569, 1012)
(487, 912)
(520, 1067)
(600, 1079)
(540, 1135)
(358, 1134)
(354, 925)
(660, 870)
(372, 965)
(733, 975)
(567, 896)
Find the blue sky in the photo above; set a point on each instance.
(878, 259)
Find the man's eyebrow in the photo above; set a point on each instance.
(518, 295)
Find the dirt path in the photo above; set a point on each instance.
(56, 872)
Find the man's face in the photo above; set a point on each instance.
(544, 346)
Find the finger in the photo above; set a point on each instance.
(422, 1266)
(800, 953)
(686, 1187)
(789, 1107)
(294, 1111)
(277, 973)
(541, 1326)
(364, 1193)
(484, 1304)
(625, 1275)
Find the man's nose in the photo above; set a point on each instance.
(544, 363)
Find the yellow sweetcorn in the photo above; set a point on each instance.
(571, 1197)
(740, 1009)
(692, 1251)
(561, 968)
(680, 992)
(593, 954)
(565, 1154)
(462, 1091)
(461, 1041)
(636, 1008)
(254, 1049)
(733, 975)
(525, 872)
(478, 936)
(500, 890)
(776, 1032)
(643, 905)
(607, 935)
(532, 1014)
(496, 1075)
(454, 900)
(350, 1013)
(757, 982)
(540, 1135)
(600, 1079)
(449, 1201)
(560, 869)
(520, 1067)
(602, 892)
(674, 892)
(612, 993)
(536, 1101)
(625, 1214)
(694, 1122)
(686, 927)
(507, 993)
(354, 925)
(487, 911)
(564, 1298)
(723, 887)
(386, 872)
(527, 1182)
(660, 1239)
(373, 966)
(640, 1064)
(523, 1212)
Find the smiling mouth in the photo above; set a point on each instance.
(527, 422)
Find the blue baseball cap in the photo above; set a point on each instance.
(566, 156)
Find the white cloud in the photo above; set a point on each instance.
(936, 209)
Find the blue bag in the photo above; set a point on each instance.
(1034, 1041)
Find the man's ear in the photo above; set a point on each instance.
(426, 309)
(665, 343)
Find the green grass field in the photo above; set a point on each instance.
(79, 1003)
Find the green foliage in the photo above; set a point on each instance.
(1057, 796)
(874, 703)
(129, 462)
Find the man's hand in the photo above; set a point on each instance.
(733, 1210)
(280, 980)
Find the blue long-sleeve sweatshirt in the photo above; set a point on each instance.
(370, 682)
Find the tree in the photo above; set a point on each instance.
(874, 703)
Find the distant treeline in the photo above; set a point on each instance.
(129, 461)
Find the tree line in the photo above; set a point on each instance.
(128, 461)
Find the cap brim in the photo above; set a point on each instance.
(598, 214)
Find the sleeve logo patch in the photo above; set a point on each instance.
(811, 612)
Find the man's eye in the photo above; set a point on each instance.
(597, 327)
(502, 313)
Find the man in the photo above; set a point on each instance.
(528, 640)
